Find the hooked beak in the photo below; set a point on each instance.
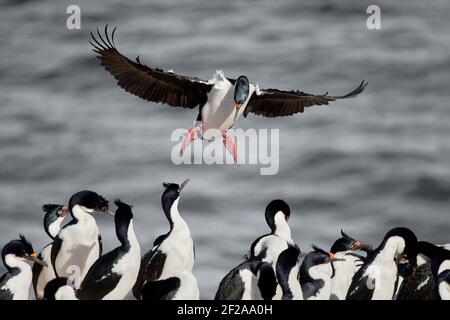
(34, 257)
(64, 211)
(184, 183)
(237, 106)
(358, 246)
(106, 210)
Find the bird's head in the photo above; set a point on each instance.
(277, 212)
(171, 196)
(347, 243)
(241, 92)
(20, 249)
(89, 202)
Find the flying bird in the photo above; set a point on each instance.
(221, 101)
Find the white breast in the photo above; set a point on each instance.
(218, 114)
(20, 284)
(179, 250)
(127, 267)
(79, 249)
(47, 274)
(251, 290)
(344, 272)
(323, 272)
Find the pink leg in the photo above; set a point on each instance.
(191, 136)
(231, 144)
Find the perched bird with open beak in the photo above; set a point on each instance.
(221, 101)
(15, 283)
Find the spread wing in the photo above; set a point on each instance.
(151, 84)
(279, 103)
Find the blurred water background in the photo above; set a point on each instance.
(364, 165)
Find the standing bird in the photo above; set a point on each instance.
(172, 251)
(251, 280)
(267, 247)
(113, 275)
(314, 278)
(15, 283)
(378, 276)
(78, 244)
(59, 289)
(53, 219)
(221, 101)
(347, 265)
(288, 269)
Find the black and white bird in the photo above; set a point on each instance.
(60, 289)
(288, 269)
(315, 279)
(78, 244)
(221, 100)
(267, 247)
(53, 219)
(16, 282)
(434, 281)
(377, 278)
(172, 252)
(348, 264)
(113, 275)
(250, 280)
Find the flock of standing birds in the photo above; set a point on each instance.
(72, 266)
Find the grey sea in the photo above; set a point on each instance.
(364, 165)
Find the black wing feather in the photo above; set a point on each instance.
(56, 246)
(161, 289)
(151, 84)
(279, 103)
(100, 280)
(151, 268)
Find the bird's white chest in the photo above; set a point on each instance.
(46, 273)
(79, 248)
(294, 284)
(322, 272)
(382, 274)
(218, 113)
(179, 250)
(20, 284)
(343, 274)
(128, 268)
(250, 282)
